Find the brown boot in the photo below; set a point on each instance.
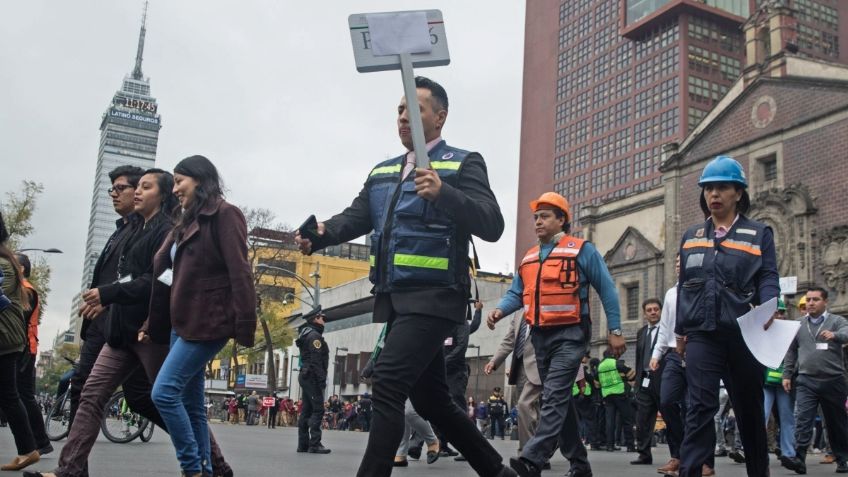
(707, 471)
(672, 465)
(22, 461)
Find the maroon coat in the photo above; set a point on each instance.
(212, 294)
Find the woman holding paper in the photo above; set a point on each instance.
(728, 265)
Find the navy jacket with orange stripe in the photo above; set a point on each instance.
(720, 279)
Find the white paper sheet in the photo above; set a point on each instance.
(396, 33)
(768, 346)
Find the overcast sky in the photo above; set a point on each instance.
(266, 89)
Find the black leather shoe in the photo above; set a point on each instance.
(414, 452)
(737, 455)
(448, 452)
(794, 464)
(579, 473)
(642, 461)
(303, 449)
(400, 463)
(319, 449)
(841, 467)
(524, 467)
(507, 472)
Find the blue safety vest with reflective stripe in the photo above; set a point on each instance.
(718, 276)
(414, 244)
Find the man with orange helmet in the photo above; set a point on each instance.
(552, 288)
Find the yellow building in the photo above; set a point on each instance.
(283, 277)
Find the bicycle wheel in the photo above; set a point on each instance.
(120, 424)
(147, 433)
(57, 421)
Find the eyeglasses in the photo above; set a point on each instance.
(120, 188)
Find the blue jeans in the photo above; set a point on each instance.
(178, 394)
(786, 410)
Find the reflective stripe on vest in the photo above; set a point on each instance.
(551, 287)
(611, 382)
(774, 376)
(406, 260)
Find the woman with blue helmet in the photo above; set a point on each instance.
(728, 265)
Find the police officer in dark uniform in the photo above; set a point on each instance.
(314, 360)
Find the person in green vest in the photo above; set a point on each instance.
(611, 374)
(582, 394)
(773, 392)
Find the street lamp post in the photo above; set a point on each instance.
(336, 366)
(292, 369)
(315, 294)
(476, 369)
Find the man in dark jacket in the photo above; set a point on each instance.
(422, 223)
(314, 360)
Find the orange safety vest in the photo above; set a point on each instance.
(32, 328)
(551, 287)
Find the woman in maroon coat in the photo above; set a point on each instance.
(203, 296)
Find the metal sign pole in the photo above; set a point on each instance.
(422, 160)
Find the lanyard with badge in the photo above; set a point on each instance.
(167, 277)
(821, 346)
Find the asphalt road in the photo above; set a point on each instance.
(257, 451)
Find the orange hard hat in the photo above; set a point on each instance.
(554, 199)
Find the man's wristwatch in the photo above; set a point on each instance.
(616, 332)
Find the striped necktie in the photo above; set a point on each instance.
(522, 338)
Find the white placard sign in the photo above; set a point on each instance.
(396, 33)
(379, 38)
(788, 285)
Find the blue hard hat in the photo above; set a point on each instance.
(724, 169)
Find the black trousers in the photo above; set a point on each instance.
(673, 402)
(272, 418)
(26, 390)
(618, 405)
(829, 393)
(412, 364)
(309, 423)
(710, 357)
(10, 403)
(647, 406)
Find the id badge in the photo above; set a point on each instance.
(167, 277)
(822, 346)
(449, 341)
(125, 279)
(646, 382)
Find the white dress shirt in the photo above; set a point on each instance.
(668, 319)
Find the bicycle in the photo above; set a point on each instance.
(120, 424)
(58, 419)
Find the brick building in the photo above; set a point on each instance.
(615, 89)
(608, 82)
(786, 121)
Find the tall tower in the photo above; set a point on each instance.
(129, 134)
(608, 82)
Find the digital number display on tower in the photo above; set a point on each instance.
(140, 104)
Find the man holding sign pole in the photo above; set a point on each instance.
(422, 221)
